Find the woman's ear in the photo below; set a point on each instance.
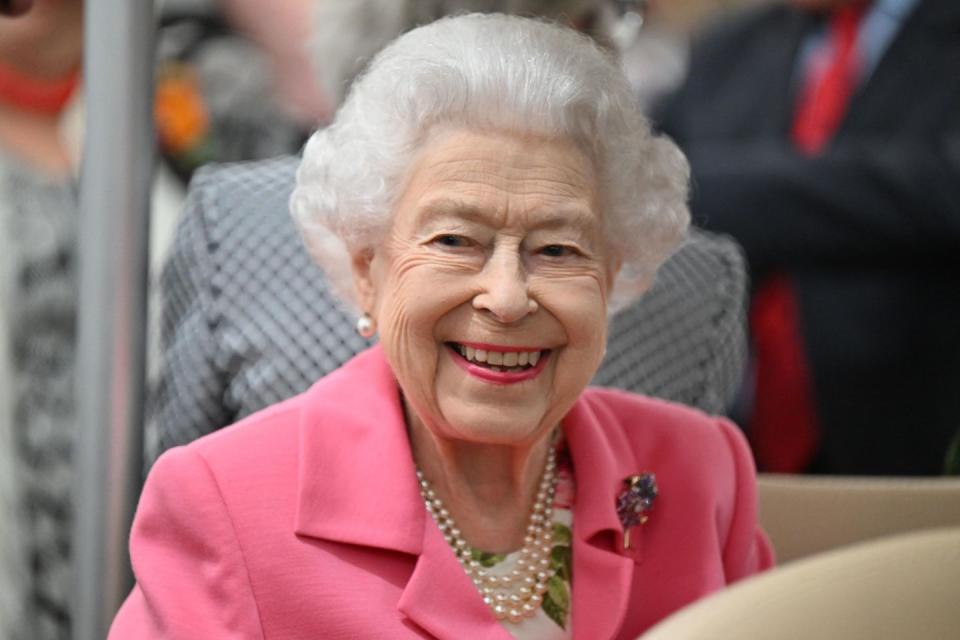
(364, 283)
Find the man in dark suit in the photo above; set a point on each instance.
(835, 160)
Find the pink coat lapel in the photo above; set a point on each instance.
(362, 490)
(442, 599)
(602, 570)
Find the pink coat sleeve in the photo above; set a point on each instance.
(747, 549)
(192, 581)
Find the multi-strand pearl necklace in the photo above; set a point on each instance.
(519, 593)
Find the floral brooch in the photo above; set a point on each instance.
(635, 502)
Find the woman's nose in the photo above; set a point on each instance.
(504, 292)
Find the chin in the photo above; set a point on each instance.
(499, 431)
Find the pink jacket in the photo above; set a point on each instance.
(305, 521)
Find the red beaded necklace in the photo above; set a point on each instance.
(31, 94)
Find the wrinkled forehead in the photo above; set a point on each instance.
(490, 176)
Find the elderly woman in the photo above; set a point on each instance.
(485, 197)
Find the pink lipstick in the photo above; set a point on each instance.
(498, 377)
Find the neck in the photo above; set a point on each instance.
(35, 140)
(489, 489)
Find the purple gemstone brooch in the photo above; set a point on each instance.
(635, 502)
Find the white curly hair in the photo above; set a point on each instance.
(490, 72)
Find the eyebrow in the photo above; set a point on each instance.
(550, 218)
(450, 208)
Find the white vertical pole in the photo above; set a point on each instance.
(114, 216)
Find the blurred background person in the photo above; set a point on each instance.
(825, 136)
(234, 81)
(347, 33)
(40, 57)
(649, 36)
(41, 117)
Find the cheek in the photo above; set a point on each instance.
(406, 286)
(415, 293)
(580, 306)
(416, 299)
(406, 315)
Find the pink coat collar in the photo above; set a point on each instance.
(360, 489)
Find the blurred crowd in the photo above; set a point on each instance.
(823, 135)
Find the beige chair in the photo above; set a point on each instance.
(810, 514)
(904, 587)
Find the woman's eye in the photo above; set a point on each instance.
(452, 240)
(557, 251)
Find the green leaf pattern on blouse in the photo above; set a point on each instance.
(486, 559)
(556, 601)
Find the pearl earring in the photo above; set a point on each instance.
(366, 326)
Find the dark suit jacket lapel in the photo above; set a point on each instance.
(777, 99)
(928, 40)
(738, 110)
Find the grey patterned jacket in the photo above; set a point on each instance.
(248, 319)
(38, 308)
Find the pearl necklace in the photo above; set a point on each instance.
(518, 594)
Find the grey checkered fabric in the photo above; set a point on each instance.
(38, 219)
(248, 319)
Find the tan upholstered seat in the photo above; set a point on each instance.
(904, 587)
(810, 514)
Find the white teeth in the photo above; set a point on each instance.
(498, 359)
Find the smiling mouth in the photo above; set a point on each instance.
(499, 361)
